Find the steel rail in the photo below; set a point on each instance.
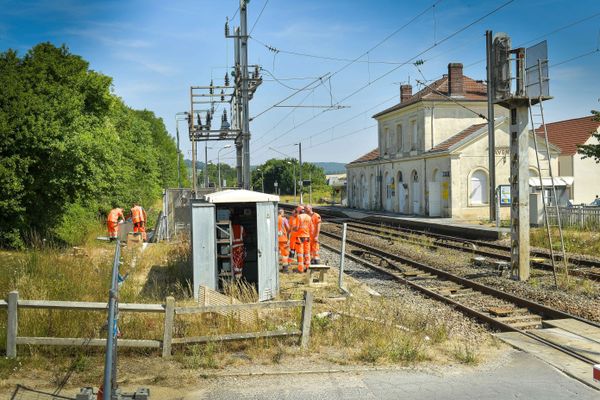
(355, 227)
(536, 308)
(494, 323)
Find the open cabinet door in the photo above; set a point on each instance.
(268, 263)
(204, 247)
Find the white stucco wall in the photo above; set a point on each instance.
(587, 177)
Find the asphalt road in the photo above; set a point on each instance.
(522, 376)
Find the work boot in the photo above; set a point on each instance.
(285, 269)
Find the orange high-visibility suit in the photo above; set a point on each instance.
(112, 222)
(238, 251)
(293, 235)
(139, 217)
(314, 238)
(303, 229)
(282, 238)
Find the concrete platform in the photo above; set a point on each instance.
(444, 226)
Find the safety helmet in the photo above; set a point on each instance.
(300, 209)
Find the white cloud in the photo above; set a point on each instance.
(150, 65)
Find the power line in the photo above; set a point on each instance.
(319, 80)
(343, 136)
(367, 52)
(460, 30)
(259, 15)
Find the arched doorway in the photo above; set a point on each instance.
(372, 193)
(416, 193)
(389, 191)
(435, 196)
(402, 194)
(364, 192)
(479, 188)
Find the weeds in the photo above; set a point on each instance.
(466, 354)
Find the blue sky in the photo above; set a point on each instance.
(155, 50)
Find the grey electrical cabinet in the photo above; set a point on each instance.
(204, 249)
(220, 222)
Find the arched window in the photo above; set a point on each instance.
(479, 187)
(400, 179)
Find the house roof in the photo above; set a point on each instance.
(566, 135)
(370, 156)
(452, 140)
(438, 91)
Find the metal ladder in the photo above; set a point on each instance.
(557, 253)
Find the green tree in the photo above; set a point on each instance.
(69, 147)
(592, 150)
(282, 172)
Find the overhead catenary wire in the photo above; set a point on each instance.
(308, 86)
(259, 15)
(445, 39)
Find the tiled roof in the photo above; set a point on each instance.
(370, 156)
(474, 91)
(566, 135)
(452, 140)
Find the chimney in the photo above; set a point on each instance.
(405, 93)
(455, 80)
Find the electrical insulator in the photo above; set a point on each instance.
(226, 79)
(224, 115)
(256, 72)
(211, 90)
(199, 122)
(222, 95)
(227, 27)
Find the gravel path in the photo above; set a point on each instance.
(457, 323)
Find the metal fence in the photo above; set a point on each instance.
(577, 217)
(176, 215)
(168, 309)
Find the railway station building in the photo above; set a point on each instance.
(432, 154)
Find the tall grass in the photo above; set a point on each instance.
(576, 241)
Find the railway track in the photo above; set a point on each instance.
(502, 311)
(586, 268)
(578, 266)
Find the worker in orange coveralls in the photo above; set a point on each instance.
(292, 234)
(303, 227)
(112, 221)
(238, 250)
(314, 235)
(139, 218)
(283, 229)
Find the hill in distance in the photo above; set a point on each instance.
(328, 167)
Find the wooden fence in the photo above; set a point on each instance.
(578, 217)
(13, 304)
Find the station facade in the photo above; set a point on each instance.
(432, 154)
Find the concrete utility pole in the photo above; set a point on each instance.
(238, 113)
(300, 173)
(518, 104)
(177, 119)
(491, 127)
(206, 164)
(192, 136)
(243, 37)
